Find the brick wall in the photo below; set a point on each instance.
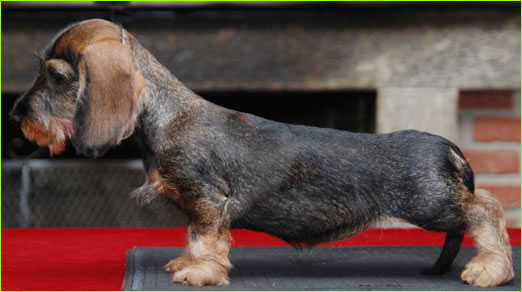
(490, 139)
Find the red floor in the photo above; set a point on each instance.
(94, 258)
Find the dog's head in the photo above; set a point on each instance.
(86, 90)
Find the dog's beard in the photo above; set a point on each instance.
(53, 134)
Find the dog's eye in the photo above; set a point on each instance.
(57, 76)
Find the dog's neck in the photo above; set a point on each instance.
(163, 105)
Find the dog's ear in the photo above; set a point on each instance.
(110, 85)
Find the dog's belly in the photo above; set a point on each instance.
(310, 218)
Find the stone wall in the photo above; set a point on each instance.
(325, 48)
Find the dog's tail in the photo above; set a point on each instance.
(449, 252)
(461, 165)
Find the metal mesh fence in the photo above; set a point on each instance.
(43, 193)
(11, 178)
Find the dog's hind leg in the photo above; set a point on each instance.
(492, 265)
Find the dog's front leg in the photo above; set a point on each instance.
(205, 259)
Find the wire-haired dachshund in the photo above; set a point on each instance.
(226, 169)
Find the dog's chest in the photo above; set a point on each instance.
(161, 186)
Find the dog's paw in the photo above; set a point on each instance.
(177, 264)
(201, 275)
(488, 271)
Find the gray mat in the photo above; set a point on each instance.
(322, 268)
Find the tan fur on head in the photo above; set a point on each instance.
(78, 37)
(87, 90)
(53, 135)
(110, 85)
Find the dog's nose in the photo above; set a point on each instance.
(18, 112)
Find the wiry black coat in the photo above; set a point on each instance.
(303, 184)
(309, 185)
